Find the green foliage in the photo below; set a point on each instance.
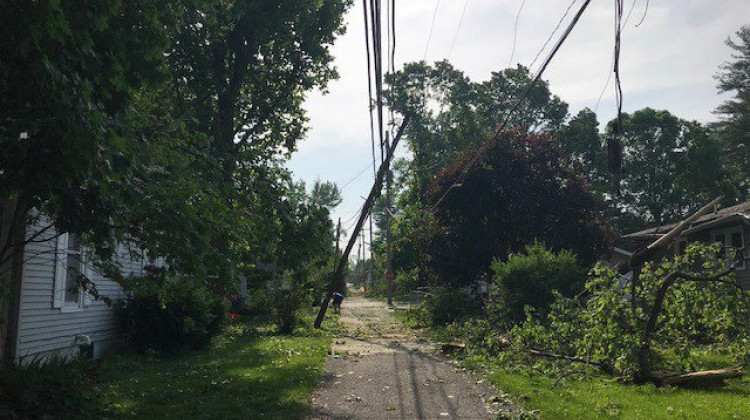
(606, 327)
(450, 114)
(46, 388)
(287, 297)
(734, 125)
(517, 191)
(685, 162)
(447, 304)
(129, 136)
(169, 313)
(530, 279)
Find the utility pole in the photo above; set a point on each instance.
(336, 276)
(388, 260)
(370, 276)
(338, 236)
(362, 256)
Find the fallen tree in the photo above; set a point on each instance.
(681, 303)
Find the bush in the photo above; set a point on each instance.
(446, 305)
(287, 296)
(51, 388)
(529, 279)
(168, 313)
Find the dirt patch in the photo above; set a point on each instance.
(380, 370)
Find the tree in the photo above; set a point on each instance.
(239, 75)
(516, 191)
(450, 113)
(68, 74)
(734, 125)
(163, 126)
(683, 303)
(581, 140)
(670, 165)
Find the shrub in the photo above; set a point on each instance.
(529, 279)
(287, 294)
(446, 305)
(169, 313)
(51, 388)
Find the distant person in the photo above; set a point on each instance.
(337, 299)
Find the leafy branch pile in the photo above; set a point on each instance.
(679, 307)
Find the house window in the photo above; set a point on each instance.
(732, 239)
(70, 265)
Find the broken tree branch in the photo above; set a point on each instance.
(562, 357)
(677, 230)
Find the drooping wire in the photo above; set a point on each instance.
(376, 28)
(393, 36)
(645, 12)
(458, 28)
(432, 27)
(614, 141)
(369, 86)
(510, 112)
(515, 33)
(611, 66)
(355, 177)
(554, 31)
(618, 83)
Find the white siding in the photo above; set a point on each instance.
(43, 328)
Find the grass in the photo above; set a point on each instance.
(597, 398)
(248, 373)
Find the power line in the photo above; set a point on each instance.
(378, 53)
(515, 33)
(645, 12)
(393, 36)
(525, 93)
(458, 28)
(369, 85)
(609, 73)
(354, 178)
(432, 27)
(554, 31)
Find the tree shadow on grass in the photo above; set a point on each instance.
(257, 376)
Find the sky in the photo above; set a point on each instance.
(667, 62)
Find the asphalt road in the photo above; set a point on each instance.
(380, 370)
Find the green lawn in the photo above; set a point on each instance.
(597, 398)
(248, 373)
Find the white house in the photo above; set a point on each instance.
(46, 310)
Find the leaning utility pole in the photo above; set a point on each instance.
(362, 245)
(338, 236)
(374, 192)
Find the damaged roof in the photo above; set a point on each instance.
(739, 212)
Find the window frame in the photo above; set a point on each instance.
(61, 272)
(727, 233)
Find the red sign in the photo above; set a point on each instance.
(389, 276)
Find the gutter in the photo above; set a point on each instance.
(739, 217)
